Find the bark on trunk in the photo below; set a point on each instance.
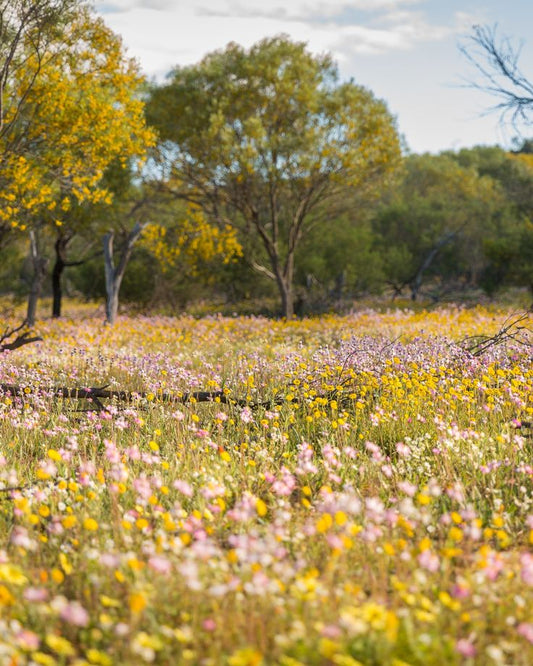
(114, 275)
(284, 276)
(340, 283)
(59, 266)
(39, 264)
(287, 300)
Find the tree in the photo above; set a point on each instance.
(71, 108)
(27, 29)
(497, 62)
(114, 274)
(89, 221)
(61, 262)
(121, 218)
(510, 249)
(434, 222)
(184, 243)
(259, 138)
(344, 263)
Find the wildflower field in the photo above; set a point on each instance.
(359, 491)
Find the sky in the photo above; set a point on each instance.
(405, 51)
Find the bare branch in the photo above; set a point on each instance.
(23, 339)
(263, 270)
(513, 328)
(96, 394)
(496, 61)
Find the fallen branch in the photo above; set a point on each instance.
(97, 394)
(21, 340)
(512, 329)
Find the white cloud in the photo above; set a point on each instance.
(404, 50)
(164, 33)
(119, 6)
(301, 10)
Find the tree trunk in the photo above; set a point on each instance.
(57, 271)
(416, 282)
(285, 279)
(287, 300)
(282, 274)
(340, 283)
(114, 275)
(39, 264)
(111, 306)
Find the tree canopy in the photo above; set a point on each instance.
(435, 220)
(259, 138)
(71, 108)
(69, 111)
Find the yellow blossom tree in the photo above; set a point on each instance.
(191, 242)
(70, 110)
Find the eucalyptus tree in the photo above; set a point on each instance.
(260, 139)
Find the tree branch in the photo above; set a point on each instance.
(21, 340)
(511, 329)
(496, 60)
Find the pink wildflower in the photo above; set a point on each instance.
(331, 631)
(20, 537)
(209, 624)
(525, 629)
(284, 486)
(460, 591)
(403, 450)
(27, 639)
(407, 488)
(465, 648)
(246, 415)
(527, 568)
(429, 560)
(35, 594)
(159, 564)
(494, 565)
(74, 613)
(183, 487)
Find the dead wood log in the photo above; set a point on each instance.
(96, 394)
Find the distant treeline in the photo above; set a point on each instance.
(448, 223)
(253, 175)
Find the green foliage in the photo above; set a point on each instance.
(12, 280)
(509, 250)
(71, 108)
(138, 285)
(261, 151)
(510, 258)
(260, 138)
(342, 262)
(435, 221)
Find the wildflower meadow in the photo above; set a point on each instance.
(357, 491)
